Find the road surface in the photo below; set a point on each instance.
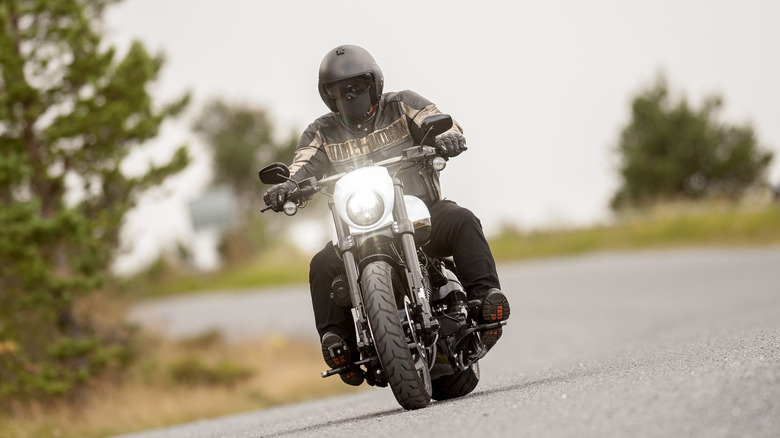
(682, 343)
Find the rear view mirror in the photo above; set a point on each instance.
(274, 173)
(436, 124)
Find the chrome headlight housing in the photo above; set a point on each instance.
(365, 207)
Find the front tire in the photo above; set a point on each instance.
(407, 373)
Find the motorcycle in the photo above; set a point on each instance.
(410, 312)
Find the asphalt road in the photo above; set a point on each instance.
(681, 343)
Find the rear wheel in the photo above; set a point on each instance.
(456, 385)
(405, 368)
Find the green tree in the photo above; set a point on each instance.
(669, 150)
(71, 110)
(241, 139)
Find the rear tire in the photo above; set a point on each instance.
(407, 374)
(456, 385)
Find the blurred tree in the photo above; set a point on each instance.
(71, 110)
(670, 151)
(241, 139)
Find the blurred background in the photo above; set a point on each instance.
(131, 133)
(542, 89)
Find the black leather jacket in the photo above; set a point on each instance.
(328, 146)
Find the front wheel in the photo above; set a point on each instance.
(406, 370)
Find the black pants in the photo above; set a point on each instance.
(455, 231)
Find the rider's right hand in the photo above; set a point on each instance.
(276, 196)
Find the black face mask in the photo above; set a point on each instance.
(355, 109)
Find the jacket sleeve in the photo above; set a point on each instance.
(417, 108)
(310, 159)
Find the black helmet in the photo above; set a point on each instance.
(345, 62)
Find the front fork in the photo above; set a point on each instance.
(404, 229)
(346, 244)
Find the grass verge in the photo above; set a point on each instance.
(279, 265)
(663, 226)
(177, 382)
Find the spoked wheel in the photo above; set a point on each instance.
(405, 368)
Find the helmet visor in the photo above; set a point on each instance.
(349, 87)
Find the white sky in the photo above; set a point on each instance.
(542, 89)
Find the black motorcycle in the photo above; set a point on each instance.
(414, 331)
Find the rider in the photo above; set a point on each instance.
(366, 124)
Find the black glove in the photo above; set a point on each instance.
(277, 195)
(451, 144)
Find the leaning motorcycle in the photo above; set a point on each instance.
(410, 312)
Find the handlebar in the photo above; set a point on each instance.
(306, 189)
(424, 152)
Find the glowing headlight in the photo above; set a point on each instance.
(365, 207)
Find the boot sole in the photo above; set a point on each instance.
(495, 307)
(490, 337)
(349, 377)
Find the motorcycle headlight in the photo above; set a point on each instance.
(365, 207)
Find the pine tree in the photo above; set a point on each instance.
(71, 110)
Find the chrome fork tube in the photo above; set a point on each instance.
(345, 246)
(405, 230)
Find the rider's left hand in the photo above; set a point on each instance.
(451, 144)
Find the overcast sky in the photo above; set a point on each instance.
(542, 89)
